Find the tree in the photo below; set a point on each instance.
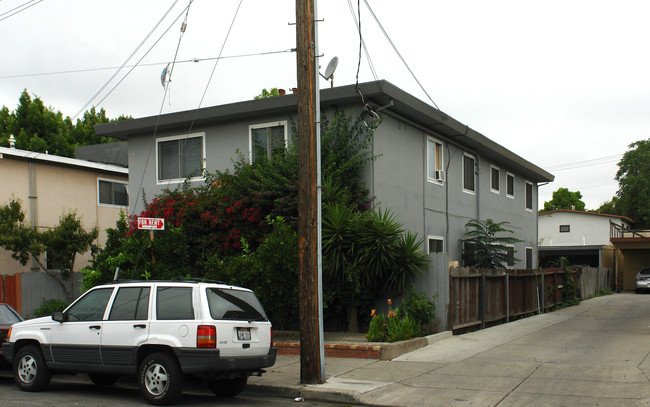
(609, 207)
(565, 199)
(61, 243)
(368, 254)
(488, 246)
(41, 129)
(268, 93)
(633, 178)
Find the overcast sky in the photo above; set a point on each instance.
(561, 83)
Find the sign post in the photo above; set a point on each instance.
(151, 224)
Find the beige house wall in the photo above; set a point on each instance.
(48, 191)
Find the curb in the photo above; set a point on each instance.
(375, 350)
(307, 393)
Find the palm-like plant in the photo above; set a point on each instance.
(489, 247)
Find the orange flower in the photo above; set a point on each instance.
(389, 302)
(372, 313)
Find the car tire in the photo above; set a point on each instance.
(103, 379)
(227, 387)
(30, 370)
(160, 378)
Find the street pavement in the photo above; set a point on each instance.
(592, 354)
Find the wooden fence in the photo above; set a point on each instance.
(481, 298)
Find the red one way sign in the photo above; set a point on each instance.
(151, 223)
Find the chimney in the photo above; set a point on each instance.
(12, 141)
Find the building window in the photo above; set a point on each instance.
(436, 244)
(435, 167)
(529, 196)
(495, 175)
(510, 185)
(510, 250)
(180, 157)
(469, 254)
(529, 258)
(265, 139)
(469, 176)
(565, 228)
(112, 193)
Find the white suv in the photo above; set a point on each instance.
(161, 331)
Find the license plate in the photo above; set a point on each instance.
(244, 334)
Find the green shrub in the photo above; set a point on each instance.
(420, 310)
(393, 327)
(377, 329)
(48, 307)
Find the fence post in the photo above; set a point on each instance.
(543, 292)
(483, 300)
(507, 297)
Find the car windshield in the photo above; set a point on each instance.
(8, 316)
(644, 272)
(235, 304)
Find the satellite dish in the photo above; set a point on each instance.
(329, 71)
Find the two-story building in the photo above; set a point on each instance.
(49, 186)
(433, 172)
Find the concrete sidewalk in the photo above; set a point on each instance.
(553, 359)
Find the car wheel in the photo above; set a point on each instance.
(228, 387)
(103, 379)
(161, 380)
(30, 371)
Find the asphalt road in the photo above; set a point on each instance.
(79, 391)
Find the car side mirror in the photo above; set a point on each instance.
(58, 316)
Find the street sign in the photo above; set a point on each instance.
(151, 223)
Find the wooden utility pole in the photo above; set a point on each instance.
(310, 357)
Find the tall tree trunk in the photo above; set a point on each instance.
(353, 319)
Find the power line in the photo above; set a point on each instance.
(127, 60)
(25, 5)
(195, 60)
(585, 163)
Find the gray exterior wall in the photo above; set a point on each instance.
(397, 179)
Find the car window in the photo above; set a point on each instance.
(644, 271)
(131, 303)
(91, 306)
(174, 303)
(234, 304)
(8, 316)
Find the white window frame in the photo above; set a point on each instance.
(469, 191)
(432, 237)
(498, 190)
(439, 175)
(113, 181)
(514, 186)
(262, 125)
(172, 138)
(532, 205)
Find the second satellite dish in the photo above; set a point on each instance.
(329, 71)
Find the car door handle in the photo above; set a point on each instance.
(95, 327)
(139, 326)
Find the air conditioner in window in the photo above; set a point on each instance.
(440, 175)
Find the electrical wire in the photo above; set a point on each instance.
(28, 5)
(369, 115)
(127, 60)
(196, 112)
(585, 163)
(399, 54)
(195, 60)
(139, 60)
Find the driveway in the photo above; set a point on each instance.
(593, 354)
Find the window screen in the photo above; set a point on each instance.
(468, 173)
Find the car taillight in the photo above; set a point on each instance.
(271, 337)
(206, 336)
(8, 337)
